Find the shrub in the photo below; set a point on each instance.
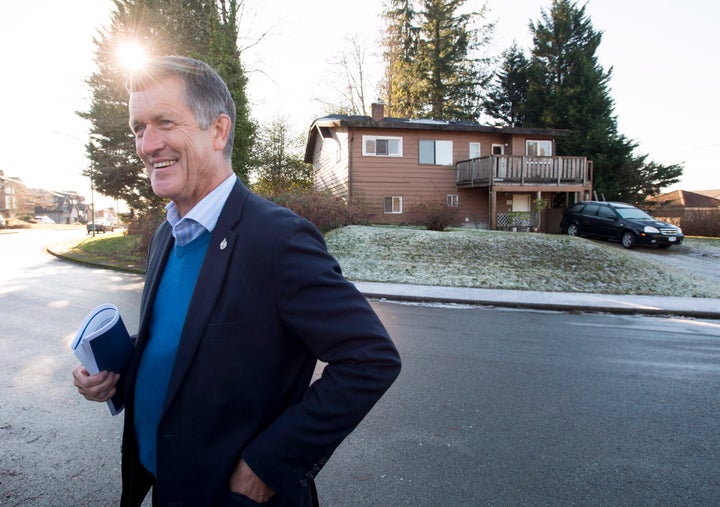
(143, 224)
(324, 210)
(436, 216)
(702, 223)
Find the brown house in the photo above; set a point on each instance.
(497, 177)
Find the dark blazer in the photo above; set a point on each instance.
(269, 301)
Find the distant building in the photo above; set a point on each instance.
(66, 207)
(696, 212)
(16, 201)
(13, 196)
(680, 202)
(715, 194)
(109, 214)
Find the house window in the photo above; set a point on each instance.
(474, 150)
(374, 146)
(393, 204)
(435, 152)
(538, 148)
(498, 149)
(452, 200)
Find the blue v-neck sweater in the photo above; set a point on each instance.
(166, 323)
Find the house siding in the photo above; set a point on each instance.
(331, 165)
(374, 178)
(377, 177)
(335, 147)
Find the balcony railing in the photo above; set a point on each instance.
(522, 170)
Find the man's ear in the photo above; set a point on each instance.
(221, 131)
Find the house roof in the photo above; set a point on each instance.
(709, 193)
(685, 199)
(322, 126)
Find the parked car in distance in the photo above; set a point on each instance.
(100, 226)
(620, 222)
(44, 219)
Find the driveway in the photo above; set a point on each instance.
(698, 257)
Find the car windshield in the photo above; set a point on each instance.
(633, 213)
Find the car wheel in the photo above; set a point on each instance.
(573, 230)
(629, 239)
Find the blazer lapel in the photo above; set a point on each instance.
(156, 265)
(162, 243)
(207, 289)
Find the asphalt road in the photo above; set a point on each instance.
(501, 407)
(56, 449)
(493, 407)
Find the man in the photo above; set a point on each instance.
(241, 299)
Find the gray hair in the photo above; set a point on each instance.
(206, 94)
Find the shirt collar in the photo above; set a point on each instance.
(203, 216)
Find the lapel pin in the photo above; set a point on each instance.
(223, 244)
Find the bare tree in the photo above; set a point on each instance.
(353, 92)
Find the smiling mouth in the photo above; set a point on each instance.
(165, 163)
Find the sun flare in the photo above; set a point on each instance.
(131, 56)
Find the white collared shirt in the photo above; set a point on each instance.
(202, 217)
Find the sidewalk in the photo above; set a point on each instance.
(704, 308)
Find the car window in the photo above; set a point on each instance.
(590, 209)
(605, 212)
(633, 213)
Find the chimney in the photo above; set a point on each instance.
(378, 110)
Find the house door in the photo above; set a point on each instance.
(521, 202)
(501, 167)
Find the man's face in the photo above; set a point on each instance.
(183, 161)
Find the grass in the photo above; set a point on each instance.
(505, 260)
(116, 250)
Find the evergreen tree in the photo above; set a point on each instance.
(400, 87)
(195, 28)
(224, 56)
(567, 86)
(451, 71)
(506, 94)
(431, 59)
(568, 89)
(645, 179)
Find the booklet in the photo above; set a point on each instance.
(103, 343)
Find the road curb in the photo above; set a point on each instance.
(60, 250)
(566, 302)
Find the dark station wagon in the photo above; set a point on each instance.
(619, 221)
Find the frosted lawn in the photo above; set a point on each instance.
(505, 260)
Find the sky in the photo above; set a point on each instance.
(664, 57)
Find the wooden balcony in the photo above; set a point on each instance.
(533, 173)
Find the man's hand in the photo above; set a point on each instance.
(100, 387)
(245, 482)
